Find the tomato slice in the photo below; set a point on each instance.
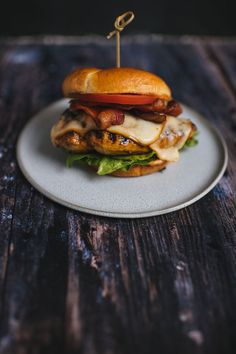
(116, 98)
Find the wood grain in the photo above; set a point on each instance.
(76, 283)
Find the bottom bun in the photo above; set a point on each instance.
(139, 170)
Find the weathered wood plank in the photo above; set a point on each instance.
(73, 282)
(7, 177)
(32, 314)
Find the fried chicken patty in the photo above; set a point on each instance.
(101, 141)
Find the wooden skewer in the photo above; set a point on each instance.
(120, 23)
(118, 49)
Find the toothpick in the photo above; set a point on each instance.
(120, 23)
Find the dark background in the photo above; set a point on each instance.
(76, 17)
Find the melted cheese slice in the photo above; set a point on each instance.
(137, 129)
(81, 126)
(172, 138)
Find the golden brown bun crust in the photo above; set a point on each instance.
(138, 170)
(115, 80)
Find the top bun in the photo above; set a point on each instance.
(115, 81)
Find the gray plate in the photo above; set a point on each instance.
(181, 184)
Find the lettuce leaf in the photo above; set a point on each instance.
(192, 141)
(109, 164)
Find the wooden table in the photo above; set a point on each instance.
(76, 283)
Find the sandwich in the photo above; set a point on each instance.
(121, 122)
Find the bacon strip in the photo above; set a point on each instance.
(108, 117)
(173, 109)
(93, 112)
(103, 118)
(157, 106)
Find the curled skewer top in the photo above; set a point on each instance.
(121, 22)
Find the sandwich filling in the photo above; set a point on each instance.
(116, 137)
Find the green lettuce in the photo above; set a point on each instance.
(109, 164)
(192, 141)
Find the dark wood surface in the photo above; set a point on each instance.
(75, 283)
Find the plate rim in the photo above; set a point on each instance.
(133, 215)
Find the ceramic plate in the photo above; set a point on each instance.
(179, 185)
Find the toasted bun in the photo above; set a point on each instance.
(116, 81)
(138, 170)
